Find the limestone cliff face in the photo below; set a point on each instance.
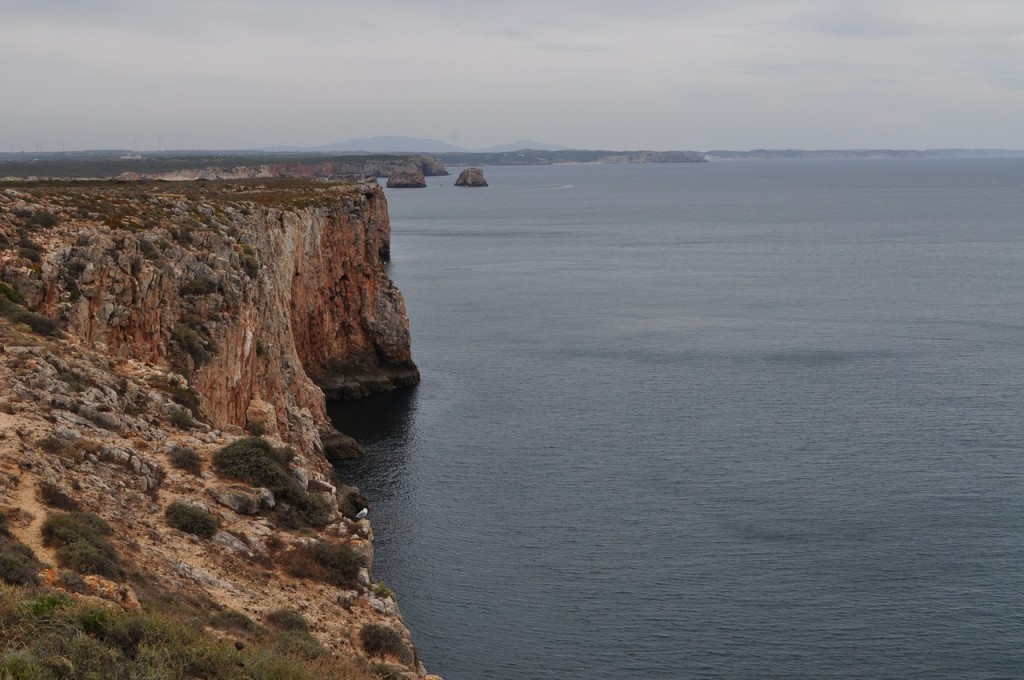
(128, 308)
(259, 293)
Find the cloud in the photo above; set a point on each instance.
(224, 73)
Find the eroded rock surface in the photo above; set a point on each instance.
(471, 177)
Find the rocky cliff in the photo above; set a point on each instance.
(352, 166)
(139, 321)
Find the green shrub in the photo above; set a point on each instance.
(186, 459)
(379, 640)
(82, 543)
(191, 520)
(11, 294)
(90, 558)
(42, 219)
(254, 461)
(287, 619)
(18, 564)
(333, 563)
(382, 590)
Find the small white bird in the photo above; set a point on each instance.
(362, 513)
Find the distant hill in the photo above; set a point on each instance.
(530, 144)
(400, 144)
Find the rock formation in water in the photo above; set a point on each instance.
(471, 177)
(407, 179)
(146, 327)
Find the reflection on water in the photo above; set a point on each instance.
(383, 424)
(377, 418)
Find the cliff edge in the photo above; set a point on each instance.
(145, 329)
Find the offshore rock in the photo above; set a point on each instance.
(407, 179)
(471, 177)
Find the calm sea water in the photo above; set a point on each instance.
(731, 420)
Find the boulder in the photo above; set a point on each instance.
(240, 499)
(261, 417)
(471, 177)
(407, 179)
(339, 446)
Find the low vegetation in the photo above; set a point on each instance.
(333, 563)
(82, 543)
(48, 636)
(11, 308)
(191, 520)
(18, 564)
(254, 461)
(379, 640)
(186, 459)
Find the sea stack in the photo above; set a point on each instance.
(407, 179)
(471, 177)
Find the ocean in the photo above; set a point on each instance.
(728, 420)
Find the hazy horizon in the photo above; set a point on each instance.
(688, 74)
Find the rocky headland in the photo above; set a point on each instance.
(348, 167)
(165, 350)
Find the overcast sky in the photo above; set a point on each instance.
(653, 74)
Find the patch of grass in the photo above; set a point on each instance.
(333, 563)
(382, 590)
(380, 640)
(191, 520)
(287, 619)
(186, 459)
(234, 621)
(81, 538)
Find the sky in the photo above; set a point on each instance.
(643, 74)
